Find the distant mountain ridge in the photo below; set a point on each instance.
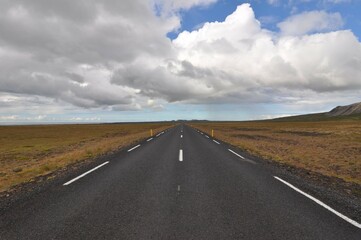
(345, 110)
(348, 112)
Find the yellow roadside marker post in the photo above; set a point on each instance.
(212, 133)
(151, 132)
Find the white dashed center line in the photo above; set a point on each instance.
(181, 136)
(181, 155)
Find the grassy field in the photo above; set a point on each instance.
(332, 148)
(30, 151)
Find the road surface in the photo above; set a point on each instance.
(181, 184)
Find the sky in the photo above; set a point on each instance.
(154, 60)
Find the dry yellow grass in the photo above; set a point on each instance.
(30, 151)
(330, 148)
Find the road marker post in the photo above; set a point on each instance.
(212, 133)
(151, 132)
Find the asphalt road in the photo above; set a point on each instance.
(156, 191)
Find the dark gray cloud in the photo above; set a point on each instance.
(75, 77)
(83, 31)
(48, 47)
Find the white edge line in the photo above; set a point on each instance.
(206, 136)
(244, 159)
(201, 133)
(180, 155)
(158, 134)
(235, 153)
(150, 139)
(86, 173)
(216, 141)
(349, 220)
(134, 148)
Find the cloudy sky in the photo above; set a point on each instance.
(148, 60)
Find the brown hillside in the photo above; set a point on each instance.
(345, 110)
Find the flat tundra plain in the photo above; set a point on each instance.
(27, 152)
(330, 148)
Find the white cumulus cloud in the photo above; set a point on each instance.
(311, 22)
(238, 61)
